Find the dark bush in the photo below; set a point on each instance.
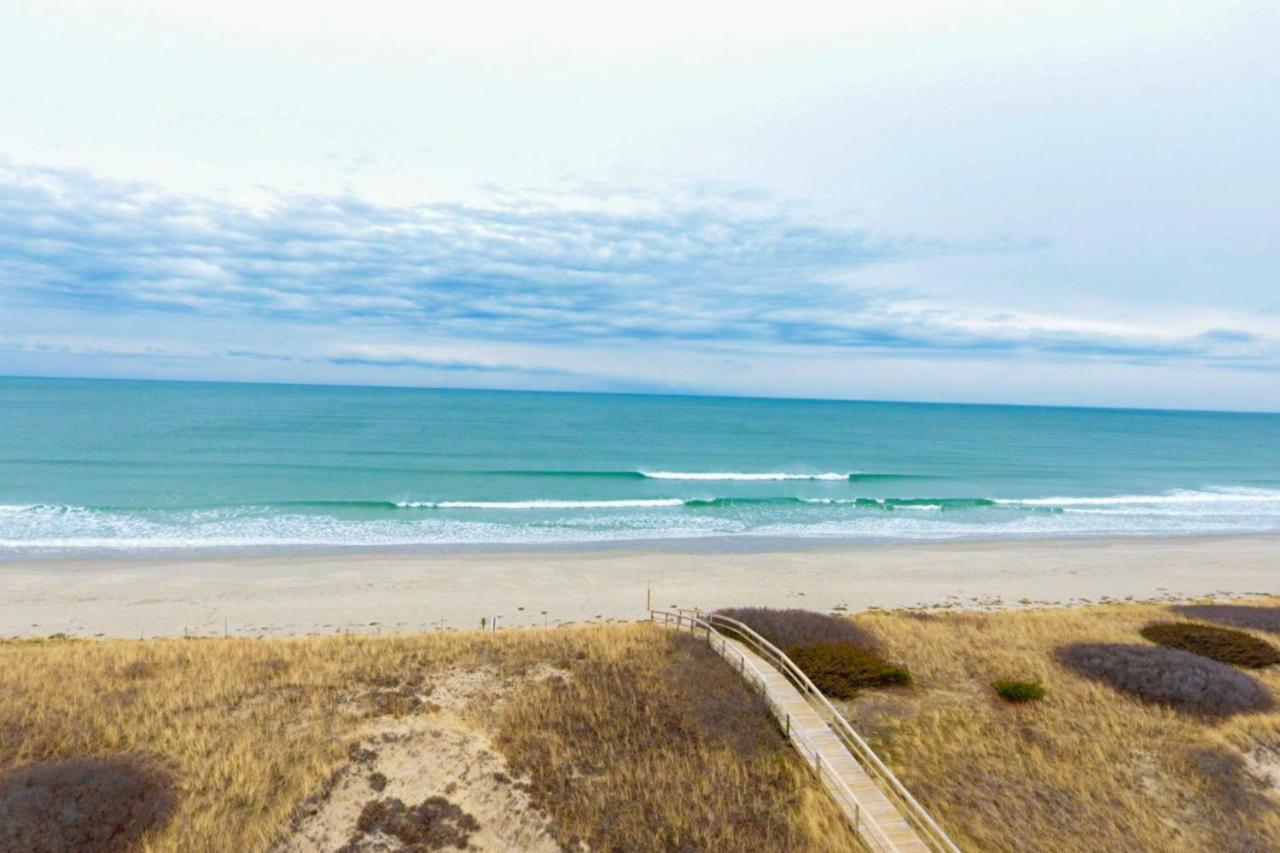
(1018, 691)
(840, 670)
(95, 805)
(138, 669)
(1254, 616)
(786, 628)
(433, 824)
(1171, 677)
(1221, 644)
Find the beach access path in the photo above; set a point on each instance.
(809, 729)
(884, 815)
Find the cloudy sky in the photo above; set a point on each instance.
(1040, 202)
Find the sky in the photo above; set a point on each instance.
(1014, 202)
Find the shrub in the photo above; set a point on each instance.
(1018, 691)
(1258, 617)
(433, 824)
(96, 805)
(786, 628)
(1220, 644)
(1171, 677)
(841, 669)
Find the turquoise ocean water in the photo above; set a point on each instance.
(89, 467)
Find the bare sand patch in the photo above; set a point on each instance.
(438, 758)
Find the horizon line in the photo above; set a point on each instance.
(666, 394)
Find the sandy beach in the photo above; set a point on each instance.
(278, 595)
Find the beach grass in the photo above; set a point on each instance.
(633, 737)
(1087, 767)
(642, 739)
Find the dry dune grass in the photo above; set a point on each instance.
(646, 741)
(1087, 768)
(680, 737)
(623, 737)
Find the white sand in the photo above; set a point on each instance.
(436, 752)
(399, 592)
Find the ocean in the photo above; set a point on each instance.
(90, 467)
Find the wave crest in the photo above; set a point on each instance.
(743, 476)
(638, 503)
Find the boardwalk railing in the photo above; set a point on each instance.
(714, 628)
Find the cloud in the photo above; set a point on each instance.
(723, 269)
(436, 359)
(69, 240)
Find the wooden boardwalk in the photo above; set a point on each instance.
(885, 817)
(879, 820)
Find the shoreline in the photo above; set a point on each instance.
(732, 543)
(385, 591)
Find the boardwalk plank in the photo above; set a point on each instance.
(810, 733)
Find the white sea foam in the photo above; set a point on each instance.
(39, 529)
(1177, 497)
(741, 475)
(543, 504)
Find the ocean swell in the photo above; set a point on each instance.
(34, 528)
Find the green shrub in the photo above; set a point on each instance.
(840, 670)
(1012, 690)
(1221, 644)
